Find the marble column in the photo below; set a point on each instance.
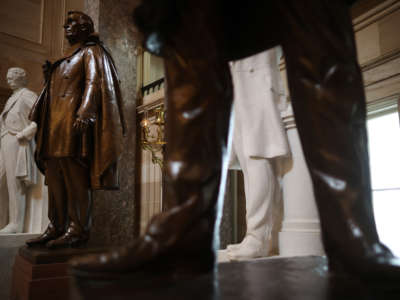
(92, 8)
(114, 221)
(300, 233)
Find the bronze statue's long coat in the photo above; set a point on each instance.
(83, 84)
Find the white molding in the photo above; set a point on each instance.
(375, 14)
(15, 240)
(151, 101)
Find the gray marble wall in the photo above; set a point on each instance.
(232, 217)
(226, 232)
(113, 211)
(92, 8)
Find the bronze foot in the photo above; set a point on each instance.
(153, 253)
(69, 239)
(51, 233)
(143, 261)
(121, 260)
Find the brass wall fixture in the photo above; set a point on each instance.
(153, 135)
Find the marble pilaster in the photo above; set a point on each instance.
(300, 233)
(113, 211)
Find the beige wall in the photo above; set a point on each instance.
(31, 32)
(154, 68)
(149, 174)
(378, 45)
(150, 68)
(151, 189)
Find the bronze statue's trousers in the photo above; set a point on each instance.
(197, 39)
(69, 195)
(328, 99)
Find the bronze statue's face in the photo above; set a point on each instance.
(74, 31)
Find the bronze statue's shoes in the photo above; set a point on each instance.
(51, 233)
(143, 261)
(69, 239)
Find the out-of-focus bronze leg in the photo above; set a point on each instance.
(199, 95)
(328, 100)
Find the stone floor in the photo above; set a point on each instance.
(9, 245)
(296, 278)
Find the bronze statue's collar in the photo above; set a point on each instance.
(93, 39)
(72, 50)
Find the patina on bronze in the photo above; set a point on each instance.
(79, 117)
(197, 39)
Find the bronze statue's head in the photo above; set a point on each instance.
(78, 27)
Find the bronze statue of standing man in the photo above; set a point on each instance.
(79, 118)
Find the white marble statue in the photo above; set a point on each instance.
(17, 168)
(259, 141)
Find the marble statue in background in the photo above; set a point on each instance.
(259, 142)
(17, 168)
(79, 137)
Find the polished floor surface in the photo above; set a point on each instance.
(296, 278)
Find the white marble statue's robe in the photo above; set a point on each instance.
(257, 95)
(17, 167)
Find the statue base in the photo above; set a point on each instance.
(43, 274)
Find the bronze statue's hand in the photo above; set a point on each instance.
(81, 125)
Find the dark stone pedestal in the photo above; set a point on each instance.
(41, 274)
(297, 278)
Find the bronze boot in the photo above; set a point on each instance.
(328, 99)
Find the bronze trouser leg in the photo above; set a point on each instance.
(197, 140)
(69, 195)
(199, 97)
(57, 195)
(328, 99)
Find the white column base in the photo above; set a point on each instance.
(300, 238)
(301, 233)
(16, 239)
(222, 256)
